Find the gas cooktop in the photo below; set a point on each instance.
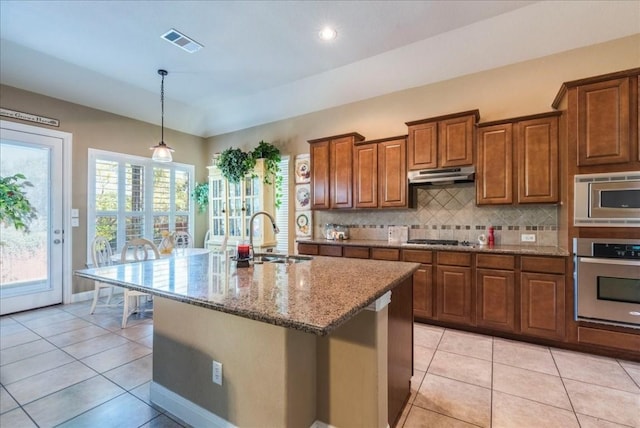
(438, 242)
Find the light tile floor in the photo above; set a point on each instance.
(60, 366)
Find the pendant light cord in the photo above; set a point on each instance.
(162, 107)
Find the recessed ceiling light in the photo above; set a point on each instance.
(328, 33)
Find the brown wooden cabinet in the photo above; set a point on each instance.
(518, 161)
(604, 125)
(495, 291)
(332, 171)
(454, 287)
(441, 142)
(423, 286)
(392, 172)
(365, 176)
(494, 173)
(537, 160)
(542, 297)
(380, 173)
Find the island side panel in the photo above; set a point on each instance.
(400, 348)
(352, 372)
(268, 371)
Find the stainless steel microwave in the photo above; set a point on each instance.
(607, 200)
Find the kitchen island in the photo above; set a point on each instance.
(300, 344)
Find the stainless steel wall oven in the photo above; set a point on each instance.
(607, 281)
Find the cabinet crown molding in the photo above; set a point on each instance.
(475, 113)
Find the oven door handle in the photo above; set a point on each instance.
(609, 261)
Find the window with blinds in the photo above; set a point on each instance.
(282, 212)
(131, 197)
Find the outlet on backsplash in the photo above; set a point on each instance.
(528, 237)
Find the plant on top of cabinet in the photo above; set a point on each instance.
(272, 158)
(234, 164)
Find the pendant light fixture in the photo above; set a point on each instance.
(162, 152)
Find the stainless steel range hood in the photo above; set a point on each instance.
(465, 174)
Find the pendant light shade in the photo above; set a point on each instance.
(162, 152)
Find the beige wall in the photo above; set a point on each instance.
(511, 91)
(101, 130)
(514, 90)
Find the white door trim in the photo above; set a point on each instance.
(67, 142)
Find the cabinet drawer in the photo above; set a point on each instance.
(608, 338)
(453, 258)
(417, 256)
(542, 264)
(356, 252)
(385, 254)
(495, 261)
(308, 249)
(331, 250)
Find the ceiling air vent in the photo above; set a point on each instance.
(182, 41)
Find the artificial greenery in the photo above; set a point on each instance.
(272, 158)
(200, 194)
(15, 208)
(234, 164)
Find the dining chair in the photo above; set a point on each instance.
(137, 249)
(207, 237)
(101, 255)
(182, 240)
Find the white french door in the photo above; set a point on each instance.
(31, 263)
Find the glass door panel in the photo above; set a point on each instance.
(31, 262)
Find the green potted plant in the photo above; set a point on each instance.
(15, 208)
(234, 164)
(272, 158)
(200, 194)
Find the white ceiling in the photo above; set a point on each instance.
(263, 60)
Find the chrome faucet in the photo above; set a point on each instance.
(273, 223)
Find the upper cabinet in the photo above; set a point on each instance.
(332, 171)
(441, 142)
(518, 161)
(380, 173)
(602, 120)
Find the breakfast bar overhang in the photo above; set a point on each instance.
(301, 344)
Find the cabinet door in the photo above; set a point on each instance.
(422, 145)
(365, 176)
(341, 172)
(218, 208)
(453, 294)
(542, 305)
(604, 123)
(319, 157)
(495, 299)
(537, 152)
(235, 211)
(455, 141)
(423, 292)
(392, 173)
(494, 182)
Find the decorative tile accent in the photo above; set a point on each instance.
(446, 210)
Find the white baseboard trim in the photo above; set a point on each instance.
(184, 409)
(88, 295)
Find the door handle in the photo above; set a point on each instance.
(57, 241)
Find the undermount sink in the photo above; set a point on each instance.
(279, 258)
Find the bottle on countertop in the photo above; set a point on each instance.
(491, 240)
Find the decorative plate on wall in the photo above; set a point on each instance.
(303, 169)
(303, 224)
(303, 197)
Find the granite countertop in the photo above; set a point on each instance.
(537, 250)
(314, 296)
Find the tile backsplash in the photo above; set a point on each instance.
(449, 213)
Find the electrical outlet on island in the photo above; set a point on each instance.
(528, 237)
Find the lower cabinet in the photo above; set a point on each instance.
(454, 287)
(542, 305)
(423, 292)
(495, 291)
(495, 299)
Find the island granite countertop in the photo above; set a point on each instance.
(314, 296)
(535, 250)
